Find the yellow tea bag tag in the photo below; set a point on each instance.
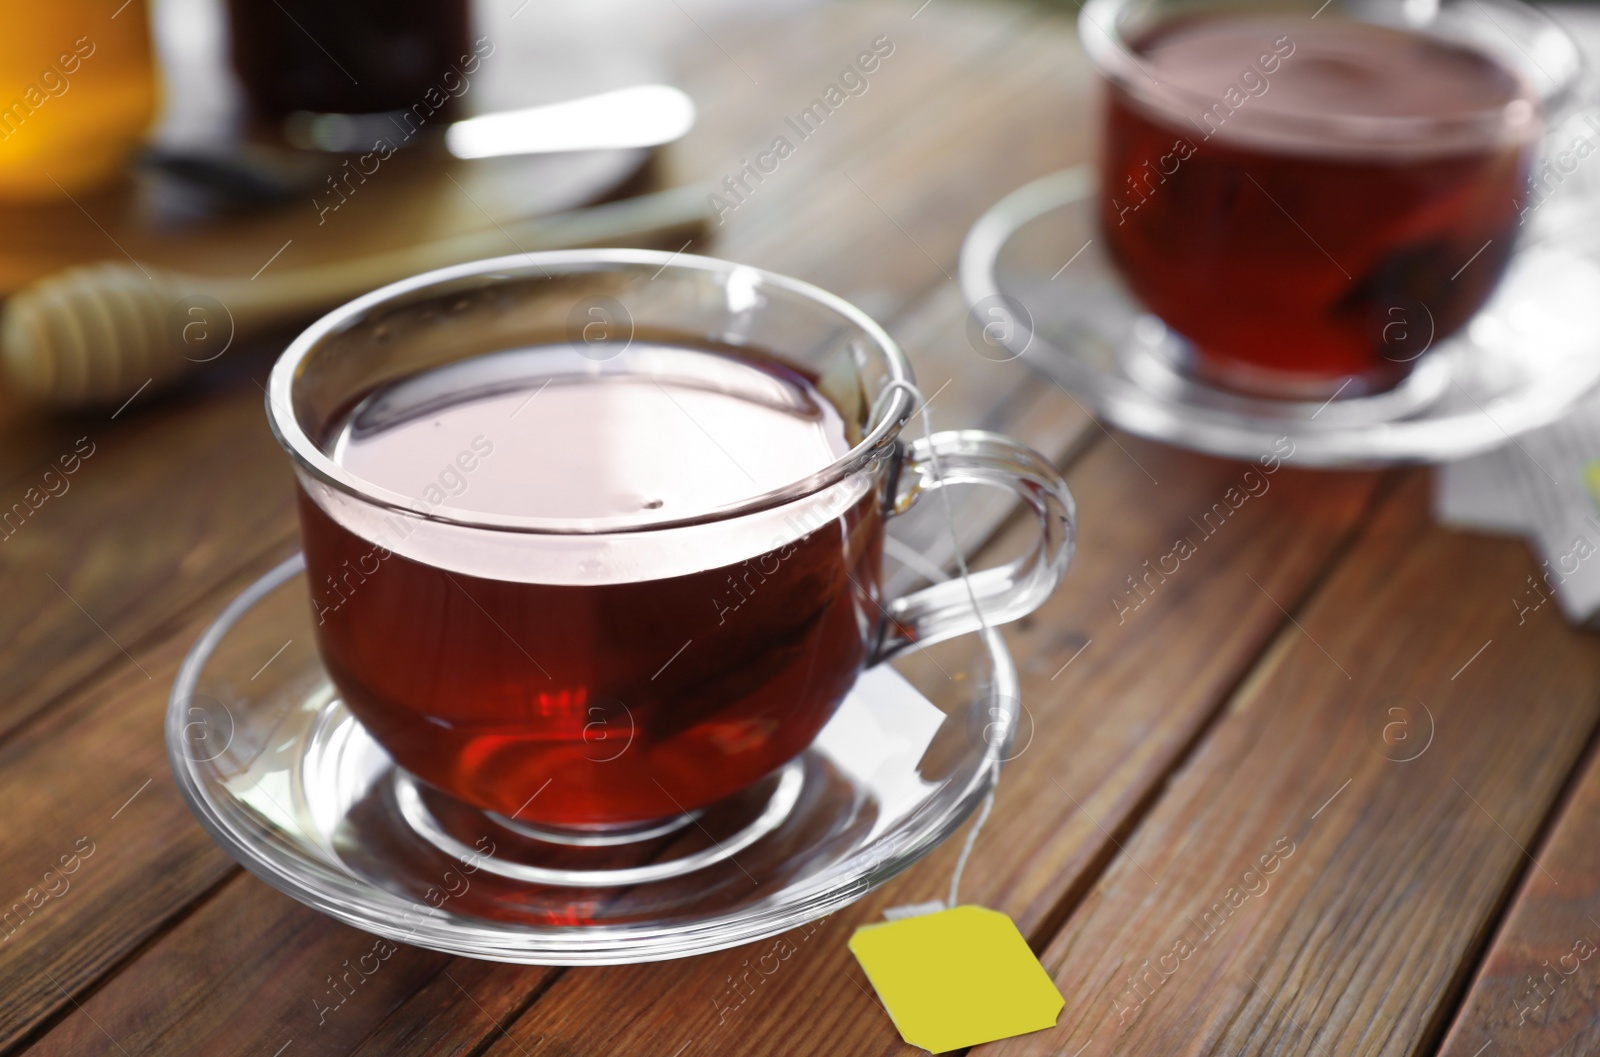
(957, 978)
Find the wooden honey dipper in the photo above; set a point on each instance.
(92, 335)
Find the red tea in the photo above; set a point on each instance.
(1293, 257)
(592, 680)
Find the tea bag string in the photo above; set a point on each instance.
(977, 611)
(972, 838)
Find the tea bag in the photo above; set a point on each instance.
(952, 976)
(1545, 486)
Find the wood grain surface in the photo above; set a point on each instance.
(162, 509)
(1317, 876)
(1289, 747)
(94, 767)
(1536, 990)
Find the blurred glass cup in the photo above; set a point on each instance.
(1315, 194)
(339, 75)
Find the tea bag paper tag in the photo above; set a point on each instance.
(911, 910)
(883, 727)
(1546, 486)
(957, 978)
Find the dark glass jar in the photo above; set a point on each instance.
(351, 56)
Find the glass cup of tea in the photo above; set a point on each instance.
(1313, 195)
(594, 538)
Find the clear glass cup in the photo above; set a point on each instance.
(1307, 247)
(538, 581)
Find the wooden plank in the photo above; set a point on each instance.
(1537, 991)
(923, 172)
(94, 767)
(30, 440)
(740, 118)
(459, 1009)
(334, 984)
(157, 514)
(1314, 878)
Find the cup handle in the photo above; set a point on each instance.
(944, 610)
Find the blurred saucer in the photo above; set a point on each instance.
(1034, 273)
(289, 784)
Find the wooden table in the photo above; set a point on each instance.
(1331, 682)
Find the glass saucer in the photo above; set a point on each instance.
(281, 775)
(1042, 291)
